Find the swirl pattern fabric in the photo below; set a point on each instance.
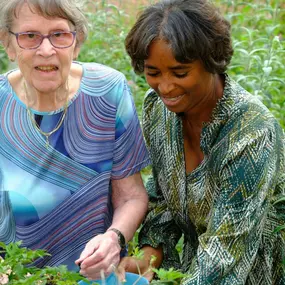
(58, 198)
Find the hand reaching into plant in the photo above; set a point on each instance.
(134, 265)
(142, 262)
(101, 254)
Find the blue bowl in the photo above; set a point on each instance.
(112, 279)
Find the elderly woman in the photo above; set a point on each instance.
(71, 147)
(216, 150)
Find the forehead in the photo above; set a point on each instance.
(27, 17)
(161, 56)
(159, 51)
(160, 45)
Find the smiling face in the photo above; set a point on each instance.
(183, 88)
(46, 68)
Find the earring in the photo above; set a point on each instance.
(11, 59)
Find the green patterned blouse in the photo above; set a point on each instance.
(224, 208)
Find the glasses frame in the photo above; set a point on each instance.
(42, 38)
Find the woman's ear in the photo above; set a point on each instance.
(8, 46)
(76, 52)
(3, 38)
(11, 52)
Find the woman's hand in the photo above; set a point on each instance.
(142, 266)
(134, 265)
(102, 253)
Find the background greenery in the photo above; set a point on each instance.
(258, 32)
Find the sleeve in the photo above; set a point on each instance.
(159, 227)
(130, 153)
(228, 249)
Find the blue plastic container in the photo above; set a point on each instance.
(112, 279)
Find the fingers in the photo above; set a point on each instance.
(88, 251)
(99, 255)
(134, 265)
(99, 271)
(95, 258)
(99, 261)
(121, 270)
(128, 264)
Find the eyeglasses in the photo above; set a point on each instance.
(32, 40)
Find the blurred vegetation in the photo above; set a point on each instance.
(259, 42)
(258, 63)
(258, 29)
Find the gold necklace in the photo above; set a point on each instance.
(37, 127)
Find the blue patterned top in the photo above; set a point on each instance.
(58, 198)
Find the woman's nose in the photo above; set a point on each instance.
(46, 48)
(165, 87)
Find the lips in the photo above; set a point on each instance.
(172, 99)
(172, 102)
(46, 68)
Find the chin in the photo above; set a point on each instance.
(43, 87)
(175, 110)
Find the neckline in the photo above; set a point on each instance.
(36, 112)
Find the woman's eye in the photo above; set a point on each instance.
(181, 75)
(57, 35)
(31, 36)
(153, 74)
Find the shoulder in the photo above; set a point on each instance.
(240, 120)
(241, 101)
(157, 120)
(152, 105)
(3, 83)
(100, 80)
(99, 71)
(242, 111)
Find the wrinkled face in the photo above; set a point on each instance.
(45, 68)
(182, 87)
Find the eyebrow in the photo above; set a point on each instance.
(177, 67)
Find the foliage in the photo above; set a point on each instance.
(108, 27)
(163, 276)
(4, 62)
(15, 269)
(258, 62)
(169, 276)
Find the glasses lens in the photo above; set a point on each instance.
(29, 40)
(62, 39)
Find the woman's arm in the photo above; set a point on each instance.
(142, 265)
(158, 237)
(129, 199)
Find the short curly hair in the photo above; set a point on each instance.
(194, 30)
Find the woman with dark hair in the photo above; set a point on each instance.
(217, 153)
